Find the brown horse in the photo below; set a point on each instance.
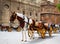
(23, 22)
(40, 28)
(55, 27)
(48, 28)
(36, 27)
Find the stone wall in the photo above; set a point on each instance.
(29, 9)
(49, 13)
(9, 6)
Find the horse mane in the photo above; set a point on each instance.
(33, 22)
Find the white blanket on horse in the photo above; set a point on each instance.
(20, 15)
(46, 24)
(25, 18)
(30, 21)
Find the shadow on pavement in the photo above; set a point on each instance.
(39, 39)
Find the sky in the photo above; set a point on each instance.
(51, 0)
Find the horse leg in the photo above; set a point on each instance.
(50, 31)
(43, 31)
(43, 35)
(25, 36)
(31, 37)
(22, 35)
(39, 31)
(55, 30)
(30, 34)
(1, 28)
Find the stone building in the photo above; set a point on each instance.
(56, 1)
(36, 9)
(26, 7)
(49, 12)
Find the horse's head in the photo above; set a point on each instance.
(39, 24)
(13, 17)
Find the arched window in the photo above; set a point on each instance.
(17, 8)
(6, 5)
(30, 13)
(23, 12)
(36, 14)
(36, 20)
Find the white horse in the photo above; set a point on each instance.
(24, 21)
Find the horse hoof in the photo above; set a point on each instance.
(33, 38)
(25, 40)
(49, 35)
(43, 37)
(21, 40)
(30, 38)
(29, 35)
